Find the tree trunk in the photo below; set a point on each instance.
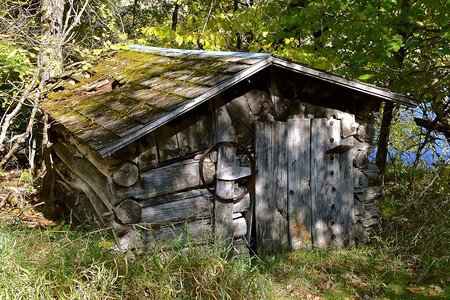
(175, 16)
(383, 139)
(50, 56)
(238, 34)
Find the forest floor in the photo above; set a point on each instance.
(407, 256)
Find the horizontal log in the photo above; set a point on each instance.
(167, 180)
(186, 207)
(241, 206)
(360, 159)
(87, 172)
(370, 211)
(370, 222)
(176, 197)
(358, 211)
(122, 172)
(365, 132)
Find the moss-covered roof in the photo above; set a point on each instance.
(128, 93)
(128, 89)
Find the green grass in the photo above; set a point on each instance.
(406, 258)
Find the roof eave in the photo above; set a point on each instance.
(364, 88)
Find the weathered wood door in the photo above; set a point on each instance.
(304, 185)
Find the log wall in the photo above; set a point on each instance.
(155, 180)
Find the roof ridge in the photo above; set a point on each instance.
(141, 48)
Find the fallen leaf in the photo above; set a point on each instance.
(438, 289)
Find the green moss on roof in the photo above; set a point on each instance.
(129, 88)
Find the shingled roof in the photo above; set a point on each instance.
(129, 93)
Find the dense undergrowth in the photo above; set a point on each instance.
(407, 258)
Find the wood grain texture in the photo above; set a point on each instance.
(242, 120)
(76, 201)
(271, 188)
(187, 135)
(126, 175)
(262, 144)
(167, 180)
(105, 165)
(182, 207)
(327, 230)
(299, 193)
(205, 127)
(233, 173)
(197, 231)
(128, 211)
(280, 186)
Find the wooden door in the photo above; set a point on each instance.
(304, 185)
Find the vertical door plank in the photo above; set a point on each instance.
(299, 193)
(271, 209)
(262, 214)
(325, 135)
(279, 188)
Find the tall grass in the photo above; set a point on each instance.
(407, 258)
(73, 264)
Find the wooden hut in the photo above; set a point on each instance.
(242, 145)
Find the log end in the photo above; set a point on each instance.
(127, 175)
(128, 211)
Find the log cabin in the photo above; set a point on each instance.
(241, 147)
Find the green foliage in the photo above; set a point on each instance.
(402, 45)
(15, 61)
